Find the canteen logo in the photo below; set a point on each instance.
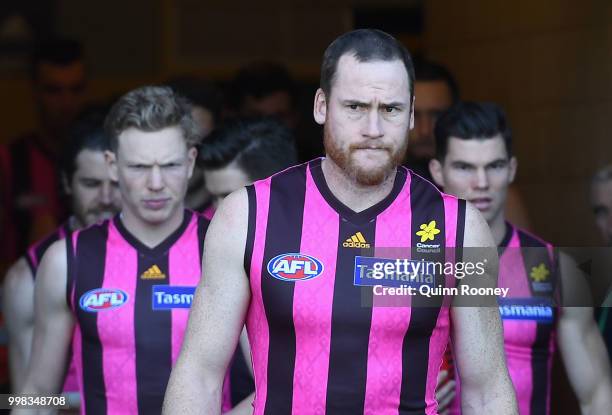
(103, 299)
(294, 267)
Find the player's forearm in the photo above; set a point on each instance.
(493, 396)
(601, 399)
(192, 392)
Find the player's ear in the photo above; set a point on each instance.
(513, 166)
(111, 162)
(435, 168)
(192, 155)
(320, 107)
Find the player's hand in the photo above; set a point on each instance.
(445, 392)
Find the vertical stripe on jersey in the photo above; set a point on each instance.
(351, 321)
(184, 269)
(152, 329)
(535, 252)
(93, 259)
(389, 324)
(314, 297)
(252, 221)
(119, 375)
(257, 325)
(202, 228)
(285, 216)
(427, 205)
(460, 229)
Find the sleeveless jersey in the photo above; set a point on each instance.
(528, 267)
(131, 304)
(318, 345)
(36, 251)
(33, 257)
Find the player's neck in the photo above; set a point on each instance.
(347, 190)
(149, 234)
(498, 228)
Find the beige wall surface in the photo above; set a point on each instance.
(549, 64)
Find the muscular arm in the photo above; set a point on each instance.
(53, 324)
(18, 311)
(477, 333)
(582, 347)
(217, 314)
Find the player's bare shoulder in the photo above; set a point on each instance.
(52, 272)
(234, 208)
(226, 236)
(477, 232)
(18, 294)
(17, 277)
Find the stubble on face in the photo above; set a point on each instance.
(344, 158)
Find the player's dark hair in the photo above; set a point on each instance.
(57, 51)
(472, 121)
(260, 147)
(425, 70)
(150, 109)
(85, 133)
(258, 80)
(365, 45)
(200, 93)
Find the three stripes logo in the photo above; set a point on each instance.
(153, 273)
(356, 241)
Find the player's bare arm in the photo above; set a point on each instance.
(477, 333)
(18, 311)
(53, 325)
(582, 347)
(217, 314)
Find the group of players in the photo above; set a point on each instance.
(114, 298)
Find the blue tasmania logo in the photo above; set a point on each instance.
(167, 297)
(535, 309)
(294, 267)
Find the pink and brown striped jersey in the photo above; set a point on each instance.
(131, 304)
(528, 267)
(317, 346)
(33, 257)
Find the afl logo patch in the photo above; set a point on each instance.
(294, 267)
(102, 299)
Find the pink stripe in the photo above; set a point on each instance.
(32, 254)
(118, 351)
(512, 273)
(184, 268)
(77, 360)
(257, 324)
(389, 324)
(314, 297)
(440, 337)
(75, 237)
(209, 212)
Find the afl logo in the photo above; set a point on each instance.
(294, 267)
(102, 299)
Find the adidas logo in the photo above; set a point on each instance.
(356, 241)
(153, 273)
